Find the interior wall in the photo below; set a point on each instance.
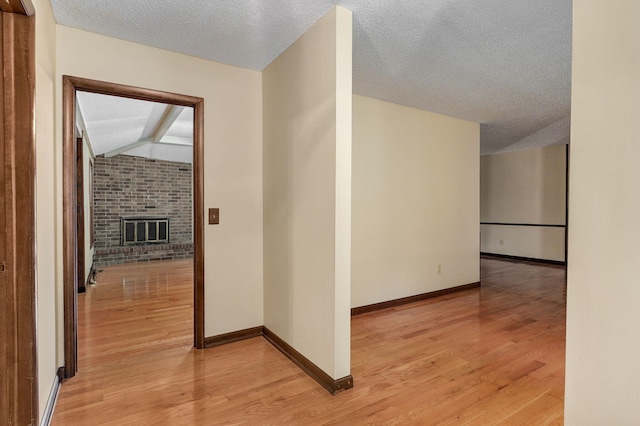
(46, 294)
(602, 366)
(525, 187)
(307, 168)
(89, 249)
(232, 159)
(415, 206)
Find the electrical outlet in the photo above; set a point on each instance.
(439, 269)
(501, 242)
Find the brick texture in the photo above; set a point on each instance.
(127, 186)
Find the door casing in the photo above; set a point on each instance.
(70, 85)
(18, 357)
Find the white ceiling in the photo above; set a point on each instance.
(503, 63)
(117, 125)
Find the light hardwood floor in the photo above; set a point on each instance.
(493, 355)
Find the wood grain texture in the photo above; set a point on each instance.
(6, 292)
(82, 279)
(234, 336)
(69, 226)
(491, 355)
(316, 373)
(411, 299)
(18, 360)
(332, 385)
(19, 7)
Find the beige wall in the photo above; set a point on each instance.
(415, 226)
(46, 255)
(526, 187)
(232, 158)
(603, 348)
(535, 242)
(307, 168)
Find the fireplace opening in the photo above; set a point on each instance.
(144, 230)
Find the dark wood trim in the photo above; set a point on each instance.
(70, 86)
(523, 224)
(19, 7)
(198, 222)
(410, 299)
(234, 336)
(522, 259)
(25, 224)
(18, 360)
(332, 385)
(80, 214)
(69, 229)
(133, 92)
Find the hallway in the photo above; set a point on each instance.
(483, 356)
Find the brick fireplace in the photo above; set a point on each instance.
(136, 201)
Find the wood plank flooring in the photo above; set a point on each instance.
(487, 356)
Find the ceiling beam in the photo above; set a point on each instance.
(176, 140)
(173, 140)
(169, 117)
(126, 148)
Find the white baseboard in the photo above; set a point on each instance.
(51, 402)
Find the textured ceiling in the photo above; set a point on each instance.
(503, 63)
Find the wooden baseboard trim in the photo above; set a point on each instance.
(234, 336)
(522, 259)
(410, 299)
(53, 397)
(332, 385)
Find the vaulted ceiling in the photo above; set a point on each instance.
(503, 63)
(115, 125)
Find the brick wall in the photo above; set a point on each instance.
(127, 186)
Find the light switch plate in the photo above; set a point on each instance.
(214, 216)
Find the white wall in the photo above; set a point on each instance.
(415, 202)
(232, 159)
(525, 187)
(307, 170)
(603, 348)
(47, 338)
(89, 250)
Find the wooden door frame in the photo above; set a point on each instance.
(19, 382)
(70, 85)
(80, 214)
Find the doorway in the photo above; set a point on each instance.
(72, 85)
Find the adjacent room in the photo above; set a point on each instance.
(135, 227)
(138, 156)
